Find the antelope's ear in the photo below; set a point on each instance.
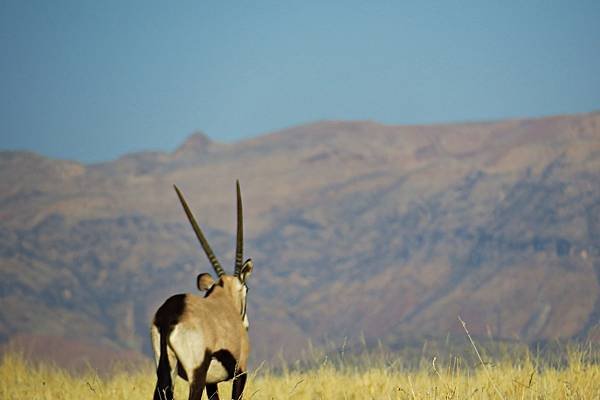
(246, 270)
(205, 282)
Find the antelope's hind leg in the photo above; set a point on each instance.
(198, 381)
(239, 382)
(212, 391)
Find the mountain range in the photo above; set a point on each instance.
(355, 229)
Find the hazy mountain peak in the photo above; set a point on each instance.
(197, 143)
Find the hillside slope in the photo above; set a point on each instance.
(355, 228)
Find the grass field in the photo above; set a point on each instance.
(523, 377)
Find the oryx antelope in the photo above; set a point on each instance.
(204, 340)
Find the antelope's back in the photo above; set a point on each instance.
(219, 322)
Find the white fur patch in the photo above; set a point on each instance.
(216, 372)
(188, 345)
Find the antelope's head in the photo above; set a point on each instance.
(234, 286)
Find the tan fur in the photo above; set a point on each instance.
(207, 325)
(218, 317)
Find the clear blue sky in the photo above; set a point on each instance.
(92, 80)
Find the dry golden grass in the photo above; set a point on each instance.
(578, 378)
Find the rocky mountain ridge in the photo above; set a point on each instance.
(356, 228)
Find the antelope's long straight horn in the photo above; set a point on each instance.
(239, 243)
(209, 253)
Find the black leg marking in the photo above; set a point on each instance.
(227, 360)
(181, 372)
(239, 382)
(212, 391)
